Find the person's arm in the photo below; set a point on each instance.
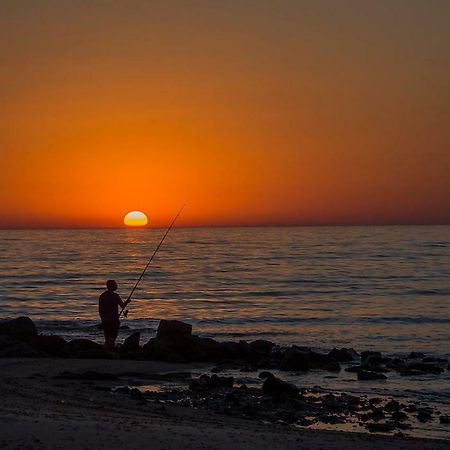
(122, 303)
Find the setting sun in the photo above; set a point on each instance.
(135, 219)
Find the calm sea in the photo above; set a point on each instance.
(383, 288)
(378, 288)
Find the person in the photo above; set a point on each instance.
(108, 308)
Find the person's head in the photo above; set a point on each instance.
(111, 285)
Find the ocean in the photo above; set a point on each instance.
(370, 288)
(384, 288)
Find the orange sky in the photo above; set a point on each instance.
(251, 112)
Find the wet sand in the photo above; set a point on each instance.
(39, 411)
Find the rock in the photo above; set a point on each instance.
(51, 344)
(262, 346)
(380, 427)
(365, 375)
(416, 355)
(356, 369)
(276, 387)
(22, 328)
(79, 347)
(206, 382)
(171, 329)
(445, 420)
(424, 416)
(11, 347)
(399, 416)
(392, 406)
(425, 368)
(371, 357)
(343, 354)
(265, 374)
(432, 359)
(131, 343)
(294, 359)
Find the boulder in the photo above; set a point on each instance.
(171, 329)
(371, 357)
(324, 362)
(294, 359)
(11, 347)
(416, 355)
(365, 375)
(262, 346)
(265, 374)
(131, 343)
(425, 368)
(343, 354)
(275, 387)
(51, 344)
(78, 348)
(22, 328)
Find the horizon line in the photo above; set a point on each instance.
(123, 227)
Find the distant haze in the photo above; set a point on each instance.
(251, 112)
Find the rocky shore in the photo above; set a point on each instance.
(192, 373)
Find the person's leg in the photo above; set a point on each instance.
(108, 331)
(114, 332)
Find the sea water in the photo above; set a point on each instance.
(384, 288)
(370, 288)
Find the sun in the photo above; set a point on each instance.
(135, 219)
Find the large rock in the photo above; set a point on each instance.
(51, 344)
(365, 375)
(301, 360)
(132, 343)
(276, 387)
(174, 329)
(294, 359)
(262, 346)
(343, 354)
(21, 328)
(371, 357)
(79, 348)
(11, 347)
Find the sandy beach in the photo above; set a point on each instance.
(39, 411)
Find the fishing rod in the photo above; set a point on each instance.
(151, 259)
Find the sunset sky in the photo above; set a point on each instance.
(250, 112)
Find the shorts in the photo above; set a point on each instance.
(111, 329)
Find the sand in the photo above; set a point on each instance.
(38, 411)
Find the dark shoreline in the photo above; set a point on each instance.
(223, 387)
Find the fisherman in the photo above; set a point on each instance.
(108, 308)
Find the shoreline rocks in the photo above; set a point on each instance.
(174, 342)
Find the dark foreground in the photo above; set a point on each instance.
(175, 391)
(42, 410)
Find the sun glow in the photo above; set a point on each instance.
(135, 219)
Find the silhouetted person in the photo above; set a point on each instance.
(108, 308)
